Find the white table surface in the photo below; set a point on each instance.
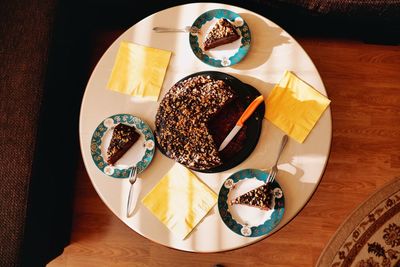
(272, 52)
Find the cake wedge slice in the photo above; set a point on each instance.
(261, 197)
(123, 137)
(223, 32)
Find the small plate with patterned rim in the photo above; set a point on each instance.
(249, 221)
(140, 154)
(224, 55)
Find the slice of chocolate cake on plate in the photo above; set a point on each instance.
(123, 137)
(261, 197)
(223, 32)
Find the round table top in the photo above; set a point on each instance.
(272, 52)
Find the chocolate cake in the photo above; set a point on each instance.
(182, 117)
(221, 125)
(223, 32)
(123, 137)
(261, 197)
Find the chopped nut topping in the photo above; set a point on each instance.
(223, 32)
(123, 137)
(260, 197)
(181, 121)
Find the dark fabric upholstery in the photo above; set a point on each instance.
(372, 9)
(23, 53)
(375, 21)
(49, 208)
(41, 90)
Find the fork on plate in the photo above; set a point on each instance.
(274, 169)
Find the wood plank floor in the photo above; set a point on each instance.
(363, 82)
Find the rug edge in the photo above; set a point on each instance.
(348, 224)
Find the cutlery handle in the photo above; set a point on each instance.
(163, 29)
(250, 109)
(129, 206)
(283, 144)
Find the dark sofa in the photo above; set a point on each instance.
(44, 59)
(38, 135)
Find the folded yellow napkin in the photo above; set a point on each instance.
(295, 107)
(180, 200)
(139, 70)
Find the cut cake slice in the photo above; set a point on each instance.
(261, 197)
(123, 137)
(223, 32)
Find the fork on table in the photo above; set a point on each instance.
(274, 169)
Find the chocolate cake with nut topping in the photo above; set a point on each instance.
(123, 137)
(182, 117)
(261, 197)
(223, 32)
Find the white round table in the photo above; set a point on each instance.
(272, 52)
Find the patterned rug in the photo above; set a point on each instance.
(370, 236)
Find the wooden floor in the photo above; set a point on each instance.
(363, 82)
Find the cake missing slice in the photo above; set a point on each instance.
(182, 117)
(223, 32)
(123, 137)
(261, 197)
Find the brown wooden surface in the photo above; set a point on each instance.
(363, 82)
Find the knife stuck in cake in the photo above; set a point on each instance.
(239, 124)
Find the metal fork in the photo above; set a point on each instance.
(274, 169)
(191, 29)
(132, 179)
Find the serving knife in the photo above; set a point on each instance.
(239, 124)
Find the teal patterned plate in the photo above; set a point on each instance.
(140, 154)
(244, 220)
(225, 55)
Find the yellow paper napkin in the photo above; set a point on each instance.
(139, 70)
(295, 107)
(180, 200)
